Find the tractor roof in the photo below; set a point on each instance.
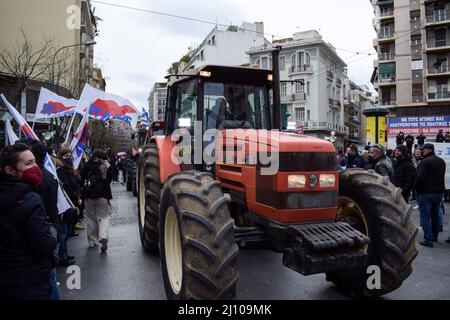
(225, 74)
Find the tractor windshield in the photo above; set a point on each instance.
(235, 106)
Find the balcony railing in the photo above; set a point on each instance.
(443, 68)
(385, 34)
(439, 16)
(328, 126)
(299, 69)
(388, 103)
(386, 13)
(438, 96)
(417, 98)
(387, 78)
(386, 56)
(437, 44)
(334, 102)
(299, 97)
(330, 75)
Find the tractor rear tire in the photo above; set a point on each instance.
(127, 175)
(134, 178)
(197, 247)
(387, 220)
(149, 192)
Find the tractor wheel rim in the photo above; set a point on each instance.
(173, 253)
(141, 191)
(351, 213)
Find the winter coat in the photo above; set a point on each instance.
(430, 176)
(49, 192)
(26, 244)
(384, 167)
(404, 174)
(100, 184)
(71, 184)
(350, 162)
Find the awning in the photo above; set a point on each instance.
(387, 68)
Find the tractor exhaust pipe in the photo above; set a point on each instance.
(276, 125)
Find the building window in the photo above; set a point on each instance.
(308, 115)
(282, 63)
(283, 88)
(299, 88)
(264, 62)
(299, 114)
(416, 40)
(301, 59)
(308, 88)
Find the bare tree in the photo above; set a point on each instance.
(25, 62)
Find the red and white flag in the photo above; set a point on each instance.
(79, 142)
(51, 105)
(106, 106)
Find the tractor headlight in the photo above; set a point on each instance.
(296, 181)
(327, 180)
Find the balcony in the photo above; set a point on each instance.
(418, 98)
(438, 96)
(388, 103)
(287, 98)
(387, 79)
(300, 69)
(334, 103)
(386, 14)
(440, 17)
(386, 56)
(438, 45)
(330, 75)
(439, 71)
(299, 97)
(324, 126)
(386, 36)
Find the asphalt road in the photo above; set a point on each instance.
(126, 272)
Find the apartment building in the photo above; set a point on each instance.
(412, 71)
(227, 46)
(312, 75)
(157, 101)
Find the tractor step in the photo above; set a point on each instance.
(325, 247)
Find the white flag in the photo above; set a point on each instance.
(79, 141)
(51, 105)
(105, 106)
(12, 137)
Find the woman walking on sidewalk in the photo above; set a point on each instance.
(97, 177)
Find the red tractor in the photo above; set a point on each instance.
(198, 214)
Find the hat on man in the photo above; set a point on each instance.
(379, 147)
(402, 148)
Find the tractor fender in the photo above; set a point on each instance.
(166, 166)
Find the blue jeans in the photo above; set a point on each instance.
(54, 284)
(64, 234)
(429, 205)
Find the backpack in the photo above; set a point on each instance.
(94, 185)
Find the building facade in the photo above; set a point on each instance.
(157, 101)
(227, 47)
(413, 43)
(312, 76)
(63, 23)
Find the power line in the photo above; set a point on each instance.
(215, 23)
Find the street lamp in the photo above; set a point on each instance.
(88, 43)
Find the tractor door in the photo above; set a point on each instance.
(182, 116)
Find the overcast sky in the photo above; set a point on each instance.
(136, 48)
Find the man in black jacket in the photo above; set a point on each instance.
(26, 244)
(430, 186)
(380, 162)
(404, 171)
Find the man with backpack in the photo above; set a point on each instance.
(97, 177)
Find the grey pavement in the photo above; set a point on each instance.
(126, 272)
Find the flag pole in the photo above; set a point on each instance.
(70, 127)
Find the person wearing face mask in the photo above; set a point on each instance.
(71, 183)
(352, 159)
(26, 243)
(381, 164)
(404, 171)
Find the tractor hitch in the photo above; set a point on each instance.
(325, 247)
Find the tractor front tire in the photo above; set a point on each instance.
(127, 175)
(148, 193)
(386, 220)
(134, 178)
(197, 247)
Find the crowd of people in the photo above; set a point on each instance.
(33, 234)
(419, 173)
